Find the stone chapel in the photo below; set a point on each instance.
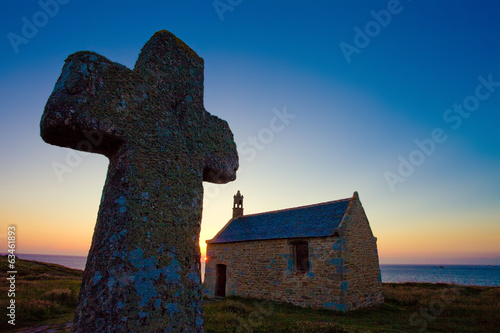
(322, 256)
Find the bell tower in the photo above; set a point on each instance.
(238, 205)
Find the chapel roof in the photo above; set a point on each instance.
(316, 220)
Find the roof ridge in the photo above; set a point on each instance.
(298, 207)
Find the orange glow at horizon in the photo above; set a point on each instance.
(426, 239)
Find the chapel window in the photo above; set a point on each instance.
(301, 256)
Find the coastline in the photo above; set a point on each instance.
(465, 275)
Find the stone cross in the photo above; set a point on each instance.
(143, 269)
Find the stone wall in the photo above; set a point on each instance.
(364, 281)
(265, 270)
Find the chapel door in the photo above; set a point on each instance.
(220, 283)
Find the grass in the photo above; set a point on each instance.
(42, 292)
(46, 294)
(409, 307)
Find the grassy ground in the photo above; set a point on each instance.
(42, 292)
(409, 307)
(46, 294)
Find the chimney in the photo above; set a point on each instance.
(238, 205)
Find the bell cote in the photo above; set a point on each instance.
(238, 205)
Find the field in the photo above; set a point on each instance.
(46, 296)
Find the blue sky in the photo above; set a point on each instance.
(350, 119)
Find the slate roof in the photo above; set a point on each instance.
(307, 221)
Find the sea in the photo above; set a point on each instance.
(476, 275)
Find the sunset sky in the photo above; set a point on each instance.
(399, 101)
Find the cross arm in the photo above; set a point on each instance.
(91, 98)
(221, 156)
